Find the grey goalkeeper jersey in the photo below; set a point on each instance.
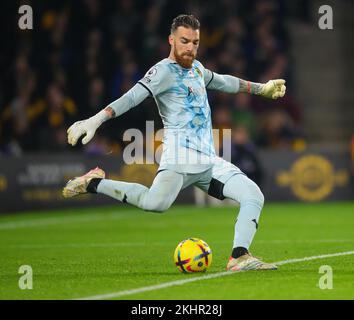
(182, 101)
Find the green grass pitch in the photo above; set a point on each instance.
(89, 252)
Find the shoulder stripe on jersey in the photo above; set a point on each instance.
(212, 77)
(146, 88)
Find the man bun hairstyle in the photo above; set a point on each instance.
(185, 20)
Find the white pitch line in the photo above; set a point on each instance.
(322, 256)
(305, 241)
(137, 244)
(38, 222)
(80, 245)
(210, 276)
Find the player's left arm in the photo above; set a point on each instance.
(273, 89)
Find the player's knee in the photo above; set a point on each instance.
(157, 205)
(259, 197)
(254, 194)
(250, 192)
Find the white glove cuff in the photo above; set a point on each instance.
(99, 118)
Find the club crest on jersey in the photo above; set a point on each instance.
(198, 71)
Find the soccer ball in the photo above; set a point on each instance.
(193, 255)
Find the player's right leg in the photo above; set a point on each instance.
(158, 198)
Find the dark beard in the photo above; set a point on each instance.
(184, 61)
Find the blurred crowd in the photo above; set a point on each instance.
(82, 55)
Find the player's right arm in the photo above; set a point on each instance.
(153, 83)
(88, 127)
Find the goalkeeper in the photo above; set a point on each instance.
(178, 84)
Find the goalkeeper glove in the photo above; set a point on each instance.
(86, 127)
(273, 89)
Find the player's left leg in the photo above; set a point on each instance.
(228, 181)
(243, 190)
